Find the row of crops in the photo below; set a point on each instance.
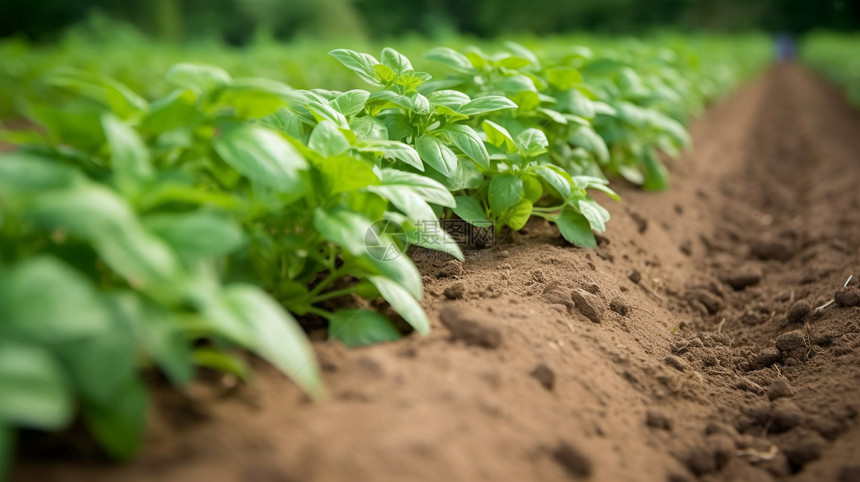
(162, 218)
(836, 56)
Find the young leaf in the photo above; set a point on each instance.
(469, 142)
(428, 189)
(594, 213)
(449, 98)
(395, 60)
(505, 191)
(469, 209)
(327, 139)
(519, 214)
(556, 178)
(532, 142)
(437, 155)
(403, 303)
(498, 135)
(361, 64)
(392, 149)
(263, 156)
(350, 103)
(361, 327)
(483, 105)
(197, 234)
(576, 229)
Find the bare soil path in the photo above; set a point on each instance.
(687, 345)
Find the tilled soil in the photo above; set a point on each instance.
(690, 344)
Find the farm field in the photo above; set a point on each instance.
(519, 266)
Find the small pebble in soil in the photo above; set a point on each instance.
(618, 306)
(471, 326)
(742, 278)
(573, 460)
(455, 292)
(635, 276)
(790, 340)
(847, 296)
(798, 311)
(779, 389)
(657, 420)
(544, 374)
(591, 306)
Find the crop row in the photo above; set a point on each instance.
(835, 56)
(165, 233)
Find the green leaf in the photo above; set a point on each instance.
(465, 138)
(451, 58)
(159, 334)
(575, 102)
(591, 141)
(498, 135)
(35, 392)
(532, 187)
(361, 64)
(403, 303)
(519, 214)
(179, 109)
(395, 60)
(323, 112)
(532, 142)
(104, 90)
(656, 175)
(392, 149)
(563, 78)
(24, 172)
(469, 209)
(197, 234)
(345, 173)
(263, 156)
(428, 189)
(343, 228)
(576, 229)
(595, 213)
(277, 337)
(384, 74)
(350, 103)
(505, 191)
(52, 303)
(361, 327)
(327, 139)
(437, 155)
(449, 98)
(129, 156)
(98, 215)
(483, 105)
(368, 127)
(7, 449)
(556, 178)
(221, 361)
(410, 203)
(119, 427)
(199, 78)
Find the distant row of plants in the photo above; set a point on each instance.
(140, 232)
(836, 56)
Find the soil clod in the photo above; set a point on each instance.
(576, 463)
(471, 326)
(742, 278)
(545, 375)
(590, 305)
(847, 296)
(790, 340)
(798, 311)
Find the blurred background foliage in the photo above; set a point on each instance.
(243, 21)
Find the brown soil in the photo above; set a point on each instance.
(686, 345)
